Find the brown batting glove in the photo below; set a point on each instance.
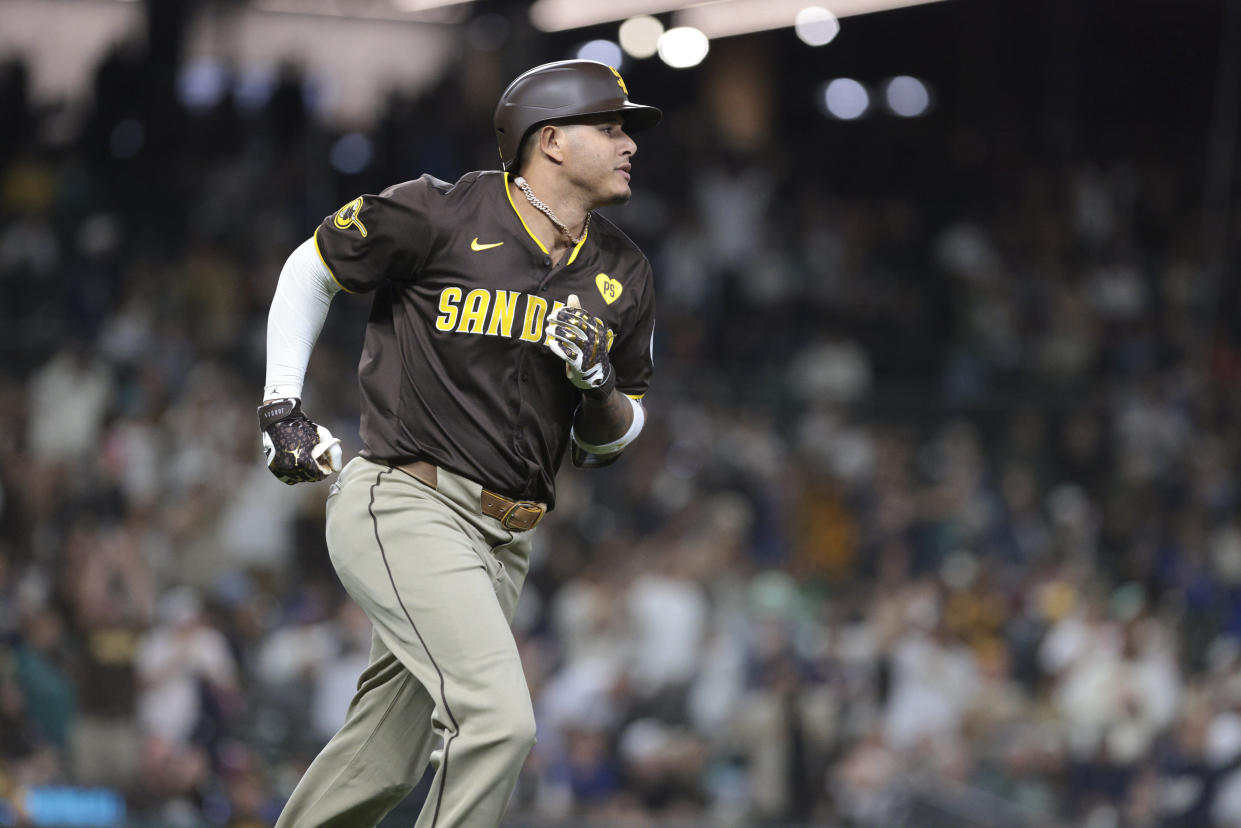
(297, 450)
(582, 340)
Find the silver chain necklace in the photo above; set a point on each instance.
(547, 211)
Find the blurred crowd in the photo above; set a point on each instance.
(934, 521)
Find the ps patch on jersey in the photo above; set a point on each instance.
(609, 288)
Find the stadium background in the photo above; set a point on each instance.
(935, 519)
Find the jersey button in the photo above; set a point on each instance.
(525, 376)
(547, 261)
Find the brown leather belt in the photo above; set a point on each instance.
(519, 515)
(512, 514)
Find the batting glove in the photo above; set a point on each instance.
(297, 450)
(581, 340)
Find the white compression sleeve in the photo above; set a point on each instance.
(298, 309)
(635, 428)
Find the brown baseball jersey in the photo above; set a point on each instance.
(453, 369)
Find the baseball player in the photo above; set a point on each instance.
(508, 323)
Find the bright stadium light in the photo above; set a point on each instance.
(715, 18)
(559, 15)
(201, 84)
(816, 26)
(907, 96)
(351, 153)
(639, 36)
(683, 47)
(423, 5)
(253, 88)
(846, 99)
(604, 51)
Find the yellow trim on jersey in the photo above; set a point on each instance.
(315, 238)
(635, 397)
(509, 193)
(576, 249)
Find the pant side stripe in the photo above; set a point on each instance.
(443, 697)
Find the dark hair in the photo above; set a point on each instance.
(526, 148)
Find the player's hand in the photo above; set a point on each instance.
(581, 340)
(297, 450)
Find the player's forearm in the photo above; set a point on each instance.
(601, 421)
(298, 310)
(603, 427)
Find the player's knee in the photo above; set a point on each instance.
(517, 733)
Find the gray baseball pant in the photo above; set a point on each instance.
(439, 581)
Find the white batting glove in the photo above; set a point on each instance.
(581, 340)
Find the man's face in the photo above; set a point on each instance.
(597, 158)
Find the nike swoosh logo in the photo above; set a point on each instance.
(474, 245)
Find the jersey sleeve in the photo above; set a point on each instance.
(378, 238)
(631, 354)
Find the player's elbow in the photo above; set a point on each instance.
(588, 456)
(585, 460)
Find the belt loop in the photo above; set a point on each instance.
(422, 471)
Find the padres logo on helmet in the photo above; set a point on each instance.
(620, 81)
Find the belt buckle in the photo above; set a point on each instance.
(526, 505)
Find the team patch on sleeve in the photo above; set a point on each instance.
(347, 217)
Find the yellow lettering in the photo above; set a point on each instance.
(536, 309)
(474, 312)
(557, 305)
(502, 313)
(449, 298)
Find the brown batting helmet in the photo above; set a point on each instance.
(560, 91)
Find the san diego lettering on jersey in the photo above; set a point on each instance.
(495, 313)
